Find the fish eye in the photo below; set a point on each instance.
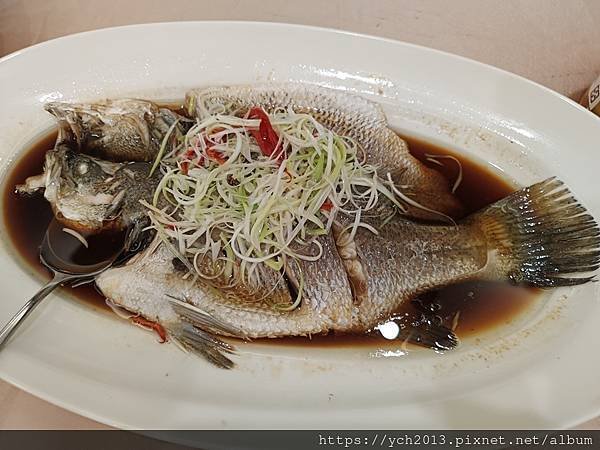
(82, 168)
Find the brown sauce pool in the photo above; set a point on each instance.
(468, 307)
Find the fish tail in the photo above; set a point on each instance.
(541, 236)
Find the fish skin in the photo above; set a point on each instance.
(145, 285)
(347, 115)
(405, 259)
(117, 130)
(92, 195)
(538, 236)
(326, 285)
(272, 284)
(393, 270)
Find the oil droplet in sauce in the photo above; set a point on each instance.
(468, 308)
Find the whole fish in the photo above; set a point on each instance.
(539, 236)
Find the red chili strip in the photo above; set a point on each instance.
(215, 155)
(188, 159)
(185, 166)
(327, 205)
(162, 333)
(265, 136)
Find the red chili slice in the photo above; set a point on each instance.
(215, 155)
(265, 136)
(187, 159)
(162, 333)
(185, 166)
(327, 205)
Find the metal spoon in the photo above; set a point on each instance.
(64, 271)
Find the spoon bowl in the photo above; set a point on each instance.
(63, 252)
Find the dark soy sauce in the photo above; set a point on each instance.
(479, 305)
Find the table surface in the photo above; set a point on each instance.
(554, 43)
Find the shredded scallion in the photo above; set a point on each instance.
(230, 207)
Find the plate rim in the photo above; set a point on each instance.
(277, 24)
(23, 52)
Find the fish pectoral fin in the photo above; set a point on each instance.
(203, 320)
(198, 333)
(428, 331)
(205, 344)
(138, 238)
(32, 184)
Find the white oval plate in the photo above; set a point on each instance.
(518, 376)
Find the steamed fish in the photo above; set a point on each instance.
(538, 236)
(287, 210)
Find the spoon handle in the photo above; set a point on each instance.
(12, 325)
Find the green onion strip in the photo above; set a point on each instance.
(224, 207)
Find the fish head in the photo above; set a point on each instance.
(81, 190)
(116, 130)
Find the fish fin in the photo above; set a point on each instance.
(139, 237)
(32, 185)
(198, 333)
(437, 337)
(202, 319)
(540, 236)
(204, 344)
(428, 331)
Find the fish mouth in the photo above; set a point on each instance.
(52, 173)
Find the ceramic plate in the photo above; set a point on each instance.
(517, 376)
